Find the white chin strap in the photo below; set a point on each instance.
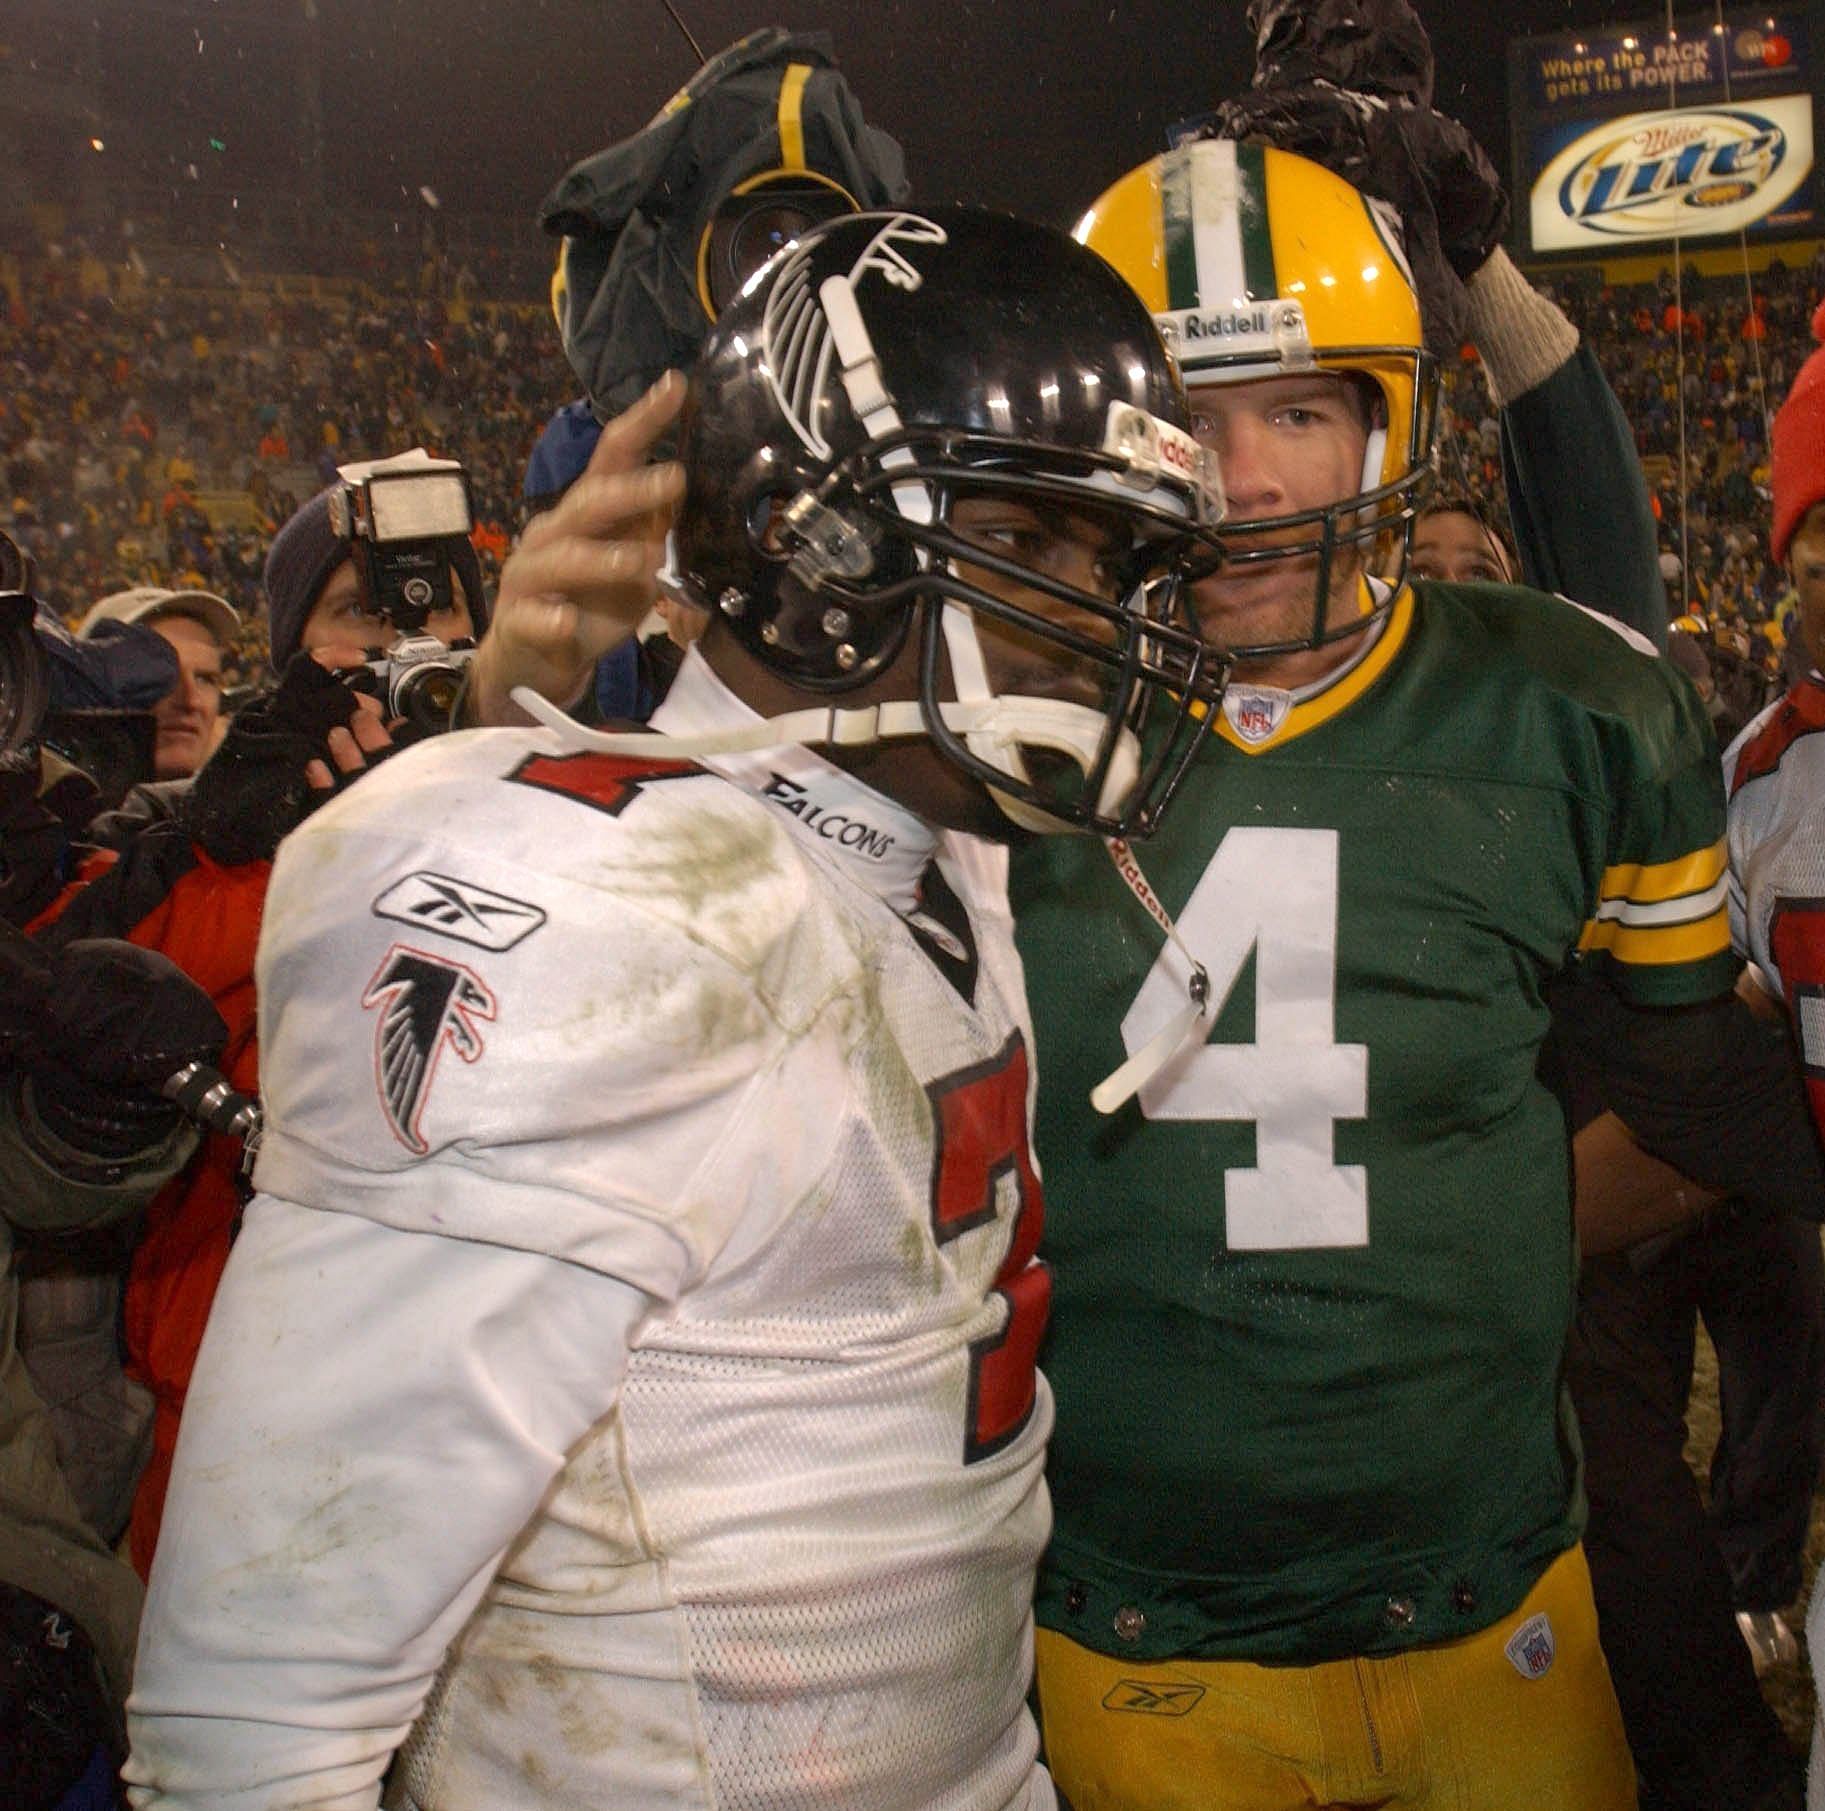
(860, 371)
(995, 730)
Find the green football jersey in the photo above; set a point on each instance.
(1313, 1286)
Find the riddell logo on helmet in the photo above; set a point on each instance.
(1184, 456)
(1233, 325)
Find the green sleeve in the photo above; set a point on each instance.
(1661, 928)
(1583, 524)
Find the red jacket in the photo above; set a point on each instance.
(166, 895)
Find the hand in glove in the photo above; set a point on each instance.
(99, 1027)
(281, 758)
(1348, 83)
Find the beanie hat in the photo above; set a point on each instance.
(303, 555)
(1798, 473)
(307, 550)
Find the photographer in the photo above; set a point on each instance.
(88, 1037)
(362, 618)
(373, 569)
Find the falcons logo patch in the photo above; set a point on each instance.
(426, 1002)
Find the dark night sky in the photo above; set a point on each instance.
(1029, 104)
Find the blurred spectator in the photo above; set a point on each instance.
(201, 629)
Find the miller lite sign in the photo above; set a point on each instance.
(1675, 173)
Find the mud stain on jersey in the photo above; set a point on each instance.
(921, 1260)
(716, 857)
(495, 1689)
(727, 1015)
(585, 1724)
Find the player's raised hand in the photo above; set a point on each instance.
(582, 577)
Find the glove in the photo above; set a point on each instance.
(1373, 47)
(1469, 205)
(99, 1027)
(1350, 86)
(252, 792)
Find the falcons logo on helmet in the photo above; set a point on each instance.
(426, 1003)
(801, 347)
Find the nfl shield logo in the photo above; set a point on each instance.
(1256, 711)
(1530, 1647)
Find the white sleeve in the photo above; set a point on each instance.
(375, 1414)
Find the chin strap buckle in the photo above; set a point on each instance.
(825, 544)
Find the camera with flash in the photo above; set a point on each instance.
(403, 518)
(400, 517)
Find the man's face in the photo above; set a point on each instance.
(1284, 445)
(187, 716)
(1083, 549)
(341, 617)
(1806, 561)
(1448, 544)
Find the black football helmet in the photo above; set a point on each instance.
(884, 365)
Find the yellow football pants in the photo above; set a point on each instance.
(1460, 1726)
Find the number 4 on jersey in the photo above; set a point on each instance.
(1272, 892)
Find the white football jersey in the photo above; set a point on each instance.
(1774, 774)
(632, 1015)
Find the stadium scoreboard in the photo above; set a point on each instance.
(1626, 138)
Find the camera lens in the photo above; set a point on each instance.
(25, 678)
(749, 229)
(426, 695)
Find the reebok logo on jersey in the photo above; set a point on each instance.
(1167, 1699)
(1530, 1648)
(1256, 711)
(459, 909)
(832, 826)
(426, 1003)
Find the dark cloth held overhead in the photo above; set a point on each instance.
(634, 217)
(1348, 83)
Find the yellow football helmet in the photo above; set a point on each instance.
(1260, 263)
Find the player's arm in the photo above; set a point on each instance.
(375, 1414)
(1583, 520)
(1623, 1194)
(582, 578)
(1716, 1096)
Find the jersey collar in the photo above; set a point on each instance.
(878, 843)
(1255, 718)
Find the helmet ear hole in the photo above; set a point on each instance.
(766, 519)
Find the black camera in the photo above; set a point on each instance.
(401, 517)
(757, 219)
(25, 673)
(418, 679)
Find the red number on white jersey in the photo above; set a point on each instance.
(1796, 940)
(979, 1120)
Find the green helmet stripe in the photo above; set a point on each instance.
(1176, 229)
(1251, 218)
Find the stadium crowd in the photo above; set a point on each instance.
(160, 438)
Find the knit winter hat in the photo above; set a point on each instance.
(307, 550)
(1798, 473)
